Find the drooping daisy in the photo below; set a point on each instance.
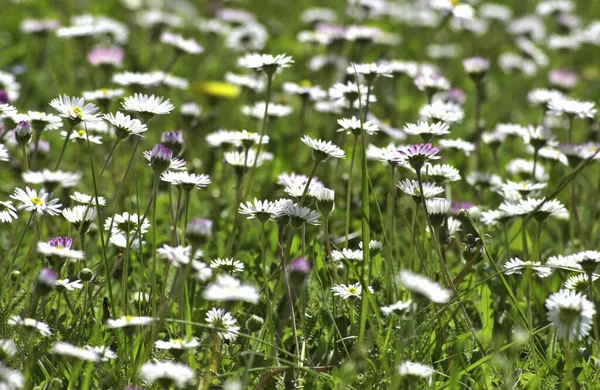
(183, 45)
(398, 308)
(74, 109)
(128, 321)
(423, 286)
(61, 247)
(346, 291)
(265, 62)
(65, 349)
(322, 150)
(225, 324)
(571, 314)
(32, 200)
(125, 125)
(228, 288)
(31, 324)
(147, 106)
(427, 131)
(187, 181)
(167, 373)
(8, 213)
(353, 126)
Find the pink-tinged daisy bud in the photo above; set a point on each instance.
(416, 155)
(160, 158)
(106, 57)
(173, 140)
(300, 265)
(562, 79)
(23, 132)
(476, 67)
(61, 242)
(455, 95)
(45, 282)
(197, 230)
(4, 97)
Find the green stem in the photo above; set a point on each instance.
(64, 147)
(349, 189)
(153, 222)
(25, 162)
(307, 186)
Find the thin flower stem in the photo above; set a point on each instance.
(307, 186)
(328, 246)
(174, 236)
(153, 223)
(37, 135)
(25, 162)
(349, 189)
(12, 261)
(478, 103)
(578, 223)
(64, 147)
(185, 217)
(594, 317)
(236, 218)
(535, 161)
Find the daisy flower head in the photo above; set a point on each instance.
(274, 111)
(571, 314)
(588, 260)
(370, 71)
(63, 285)
(427, 131)
(201, 271)
(347, 94)
(228, 265)
(476, 67)
(459, 144)
(516, 265)
(541, 97)
(32, 200)
(388, 154)
(128, 322)
(69, 350)
(104, 94)
(524, 187)
(431, 83)
(224, 323)
(325, 199)
(300, 215)
(252, 83)
(423, 287)
(126, 224)
(41, 121)
(187, 181)
(59, 247)
(106, 56)
(543, 209)
(75, 110)
(398, 308)
(146, 80)
(265, 62)
(353, 126)
(348, 254)
(182, 45)
(262, 210)
(178, 255)
(125, 125)
(411, 187)
(167, 373)
(414, 372)
(11, 379)
(31, 324)
(346, 291)
(442, 112)
(78, 197)
(104, 353)
(524, 169)
(249, 36)
(578, 283)
(177, 344)
(537, 136)
(8, 212)
(322, 150)
(51, 179)
(147, 106)
(228, 288)
(305, 90)
(563, 79)
(191, 110)
(81, 136)
(572, 108)
(417, 155)
(160, 159)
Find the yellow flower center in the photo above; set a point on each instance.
(386, 122)
(129, 318)
(455, 2)
(177, 341)
(104, 91)
(305, 84)
(37, 201)
(81, 132)
(352, 290)
(78, 111)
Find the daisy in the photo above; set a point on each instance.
(249, 36)
(178, 255)
(11, 379)
(104, 94)
(160, 159)
(387, 154)
(427, 131)
(578, 283)
(347, 254)
(516, 265)
(187, 181)
(464, 146)
(541, 97)
(51, 179)
(563, 79)
(346, 291)
(228, 265)
(398, 308)
(104, 353)
(182, 45)
(66, 285)
(411, 187)
(82, 137)
(476, 67)
(571, 314)
(537, 136)
(227, 288)
(167, 373)
(41, 121)
(431, 83)
(201, 271)
(444, 112)
(146, 80)
(8, 213)
(128, 321)
(126, 224)
(248, 82)
(275, 110)
(417, 155)
(245, 159)
(60, 247)
(588, 260)
(31, 324)
(125, 125)
(521, 167)
(370, 71)
(572, 108)
(424, 287)
(177, 344)
(305, 90)
(415, 371)
(322, 150)
(7, 111)
(568, 263)
(106, 56)
(8, 348)
(346, 94)
(299, 215)
(265, 62)
(190, 109)
(441, 172)
(225, 324)
(32, 200)
(69, 350)
(524, 187)
(353, 126)
(325, 198)
(261, 210)
(546, 208)
(147, 106)
(74, 109)
(87, 199)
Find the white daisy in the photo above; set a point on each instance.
(571, 314)
(68, 285)
(265, 62)
(87, 199)
(346, 291)
(32, 200)
(464, 146)
(42, 121)
(444, 112)
(571, 107)
(8, 213)
(300, 215)
(258, 110)
(261, 210)
(128, 321)
(65, 349)
(427, 131)
(249, 82)
(225, 324)
(51, 179)
(104, 353)
(441, 172)
(186, 180)
(415, 371)
(167, 373)
(82, 136)
(347, 254)
(126, 224)
(147, 80)
(177, 344)
(41, 327)
(61, 247)
(424, 287)
(125, 125)
(74, 109)
(353, 126)
(189, 46)
(411, 187)
(147, 105)
(227, 288)
(399, 308)
(322, 150)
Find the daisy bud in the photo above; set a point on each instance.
(325, 200)
(160, 158)
(437, 209)
(300, 265)
(173, 140)
(14, 276)
(255, 323)
(23, 132)
(45, 282)
(86, 275)
(197, 230)
(476, 68)
(3, 97)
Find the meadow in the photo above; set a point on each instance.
(245, 194)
